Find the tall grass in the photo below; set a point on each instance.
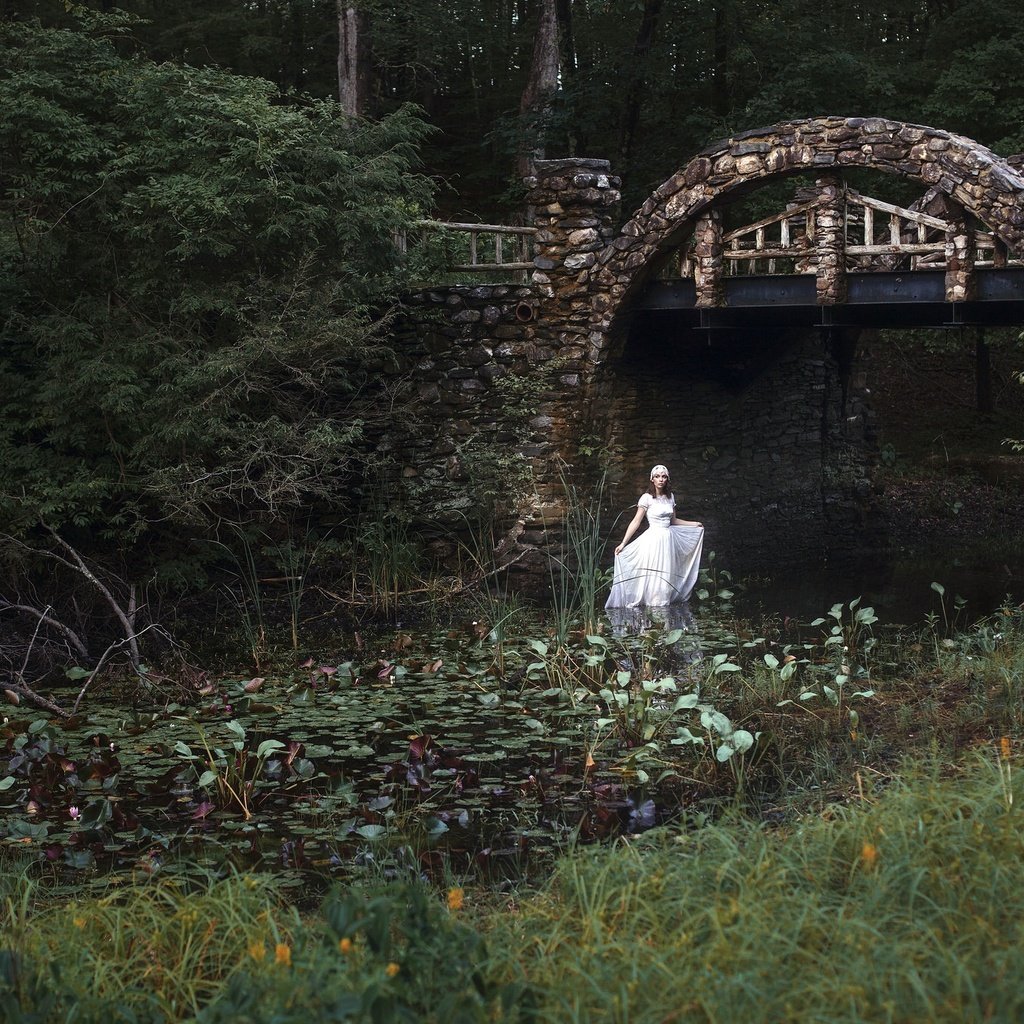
(386, 556)
(229, 951)
(157, 951)
(577, 577)
(905, 909)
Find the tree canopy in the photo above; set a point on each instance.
(644, 83)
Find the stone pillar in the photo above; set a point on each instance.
(708, 263)
(575, 206)
(961, 282)
(830, 240)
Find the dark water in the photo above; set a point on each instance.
(898, 588)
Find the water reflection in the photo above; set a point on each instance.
(686, 654)
(633, 621)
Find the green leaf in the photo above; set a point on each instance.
(939, 589)
(742, 740)
(371, 832)
(685, 702)
(684, 736)
(717, 721)
(6, 783)
(268, 747)
(771, 661)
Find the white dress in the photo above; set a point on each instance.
(660, 567)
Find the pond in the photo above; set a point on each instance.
(462, 751)
(897, 586)
(448, 753)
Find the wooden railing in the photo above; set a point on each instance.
(879, 236)
(479, 248)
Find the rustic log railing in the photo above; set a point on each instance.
(483, 248)
(878, 236)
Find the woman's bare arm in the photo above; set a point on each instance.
(641, 514)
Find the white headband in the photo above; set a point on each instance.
(659, 469)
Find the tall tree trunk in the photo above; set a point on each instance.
(566, 39)
(540, 88)
(297, 56)
(567, 56)
(638, 80)
(353, 59)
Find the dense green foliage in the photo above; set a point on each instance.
(194, 274)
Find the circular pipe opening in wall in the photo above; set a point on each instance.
(524, 312)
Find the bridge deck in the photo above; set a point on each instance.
(877, 299)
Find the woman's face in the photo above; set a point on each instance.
(660, 480)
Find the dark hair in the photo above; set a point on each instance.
(653, 491)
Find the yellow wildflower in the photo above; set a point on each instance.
(79, 922)
(392, 969)
(283, 954)
(455, 898)
(869, 854)
(1004, 747)
(345, 945)
(257, 951)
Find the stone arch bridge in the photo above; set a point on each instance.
(690, 335)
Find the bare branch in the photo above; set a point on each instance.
(56, 624)
(103, 658)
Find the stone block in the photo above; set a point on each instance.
(578, 261)
(585, 236)
(748, 165)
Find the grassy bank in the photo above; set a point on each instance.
(905, 905)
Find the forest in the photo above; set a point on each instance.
(265, 755)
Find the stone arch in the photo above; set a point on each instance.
(984, 184)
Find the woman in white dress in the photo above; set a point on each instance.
(660, 568)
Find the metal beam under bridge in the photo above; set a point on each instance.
(877, 299)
